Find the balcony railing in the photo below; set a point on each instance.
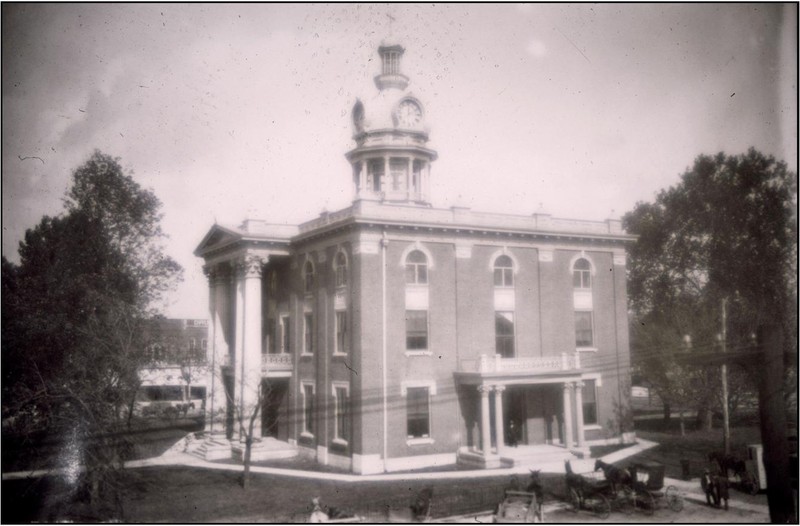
(538, 364)
(276, 362)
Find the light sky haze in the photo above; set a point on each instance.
(229, 111)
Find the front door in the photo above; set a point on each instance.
(514, 420)
(271, 411)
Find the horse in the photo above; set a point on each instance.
(535, 487)
(728, 462)
(614, 474)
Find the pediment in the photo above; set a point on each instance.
(218, 236)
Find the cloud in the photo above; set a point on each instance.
(536, 48)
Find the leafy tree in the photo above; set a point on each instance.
(73, 311)
(728, 229)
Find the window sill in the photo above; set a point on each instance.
(340, 355)
(306, 355)
(586, 349)
(419, 353)
(339, 442)
(419, 441)
(592, 427)
(307, 435)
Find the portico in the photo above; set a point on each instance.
(537, 420)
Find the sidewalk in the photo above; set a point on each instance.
(690, 490)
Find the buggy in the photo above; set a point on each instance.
(648, 484)
(517, 506)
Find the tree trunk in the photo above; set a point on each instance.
(248, 446)
(667, 412)
(683, 426)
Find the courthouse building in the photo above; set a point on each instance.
(394, 335)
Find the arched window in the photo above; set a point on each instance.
(582, 274)
(417, 268)
(340, 264)
(503, 272)
(308, 277)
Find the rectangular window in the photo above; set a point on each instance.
(342, 413)
(419, 412)
(416, 330)
(376, 169)
(583, 329)
(308, 409)
(504, 334)
(285, 333)
(399, 171)
(308, 334)
(272, 337)
(589, 402)
(341, 332)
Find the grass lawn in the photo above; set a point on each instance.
(185, 494)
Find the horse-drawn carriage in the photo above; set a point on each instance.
(637, 488)
(522, 506)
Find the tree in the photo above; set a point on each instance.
(728, 229)
(73, 312)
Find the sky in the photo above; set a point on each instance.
(243, 110)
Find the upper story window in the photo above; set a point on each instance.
(503, 272)
(308, 277)
(340, 264)
(582, 274)
(417, 268)
(375, 172)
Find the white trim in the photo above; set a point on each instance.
(340, 250)
(416, 245)
(597, 377)
(420, 441)
(586, 349)
(582, 255)
(430, 384)
(303, 384)
(419, 352)
(592, 427)
(334, 386)
(503, 252)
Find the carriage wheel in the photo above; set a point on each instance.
(645, 502)
(601, 507)
(674, 499)
(573, 501)
(624, 501)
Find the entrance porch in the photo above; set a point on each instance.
(521, 410)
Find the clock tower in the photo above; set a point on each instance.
(391, 161)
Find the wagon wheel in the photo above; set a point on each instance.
(600, 506)
(645, 502)
(624, 501)
(674, 499)
(573, 501)
(751, 483)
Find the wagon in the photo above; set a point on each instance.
(648, 485)
(517, 506)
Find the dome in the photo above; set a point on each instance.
(389, 109)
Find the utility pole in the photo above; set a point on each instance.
(726, 430)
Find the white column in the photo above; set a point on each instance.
(222, 349)
(410, 178)
(579, 412)
(498, 416)
(252, 343)
(238, 349)
(214, 383)
(486, 434)
(567, 415)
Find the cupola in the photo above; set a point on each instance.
(391, 160)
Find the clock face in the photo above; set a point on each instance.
(409, 113)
